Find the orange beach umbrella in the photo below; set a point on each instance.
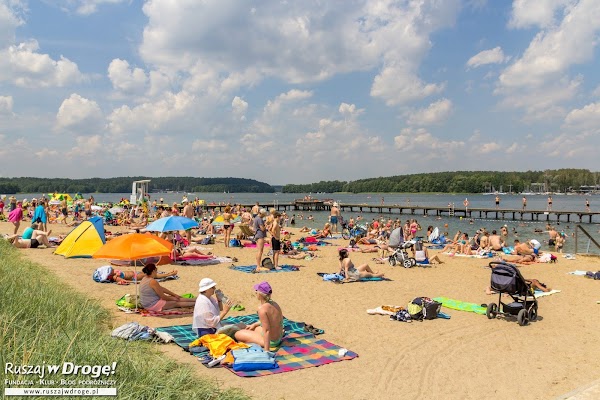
(134, 246)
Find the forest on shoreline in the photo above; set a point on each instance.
(560, 180)
(123, 185)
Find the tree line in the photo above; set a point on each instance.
(560, 180)
(123, 185)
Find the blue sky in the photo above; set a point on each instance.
(297, 92)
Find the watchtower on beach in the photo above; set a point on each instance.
(139, 190)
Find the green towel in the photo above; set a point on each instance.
(461, 305)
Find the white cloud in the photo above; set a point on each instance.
(435, 113)
(555, 49)
(84, 7)
(239, 108)
(420, 143)
(585, 118)
(80, 114)
(23, 66)
(529, 13)
(492, 56)
(9, 21)
(301, 42)
(6, 104)
(151, 116)
(126, 79)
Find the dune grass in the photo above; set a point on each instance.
(44, 321)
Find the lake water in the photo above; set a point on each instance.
(517, 229)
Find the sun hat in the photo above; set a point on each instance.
(262, 211)
(263, 288)
(205, 284)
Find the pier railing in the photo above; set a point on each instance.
(591, 240)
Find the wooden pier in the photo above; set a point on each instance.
(479, 213)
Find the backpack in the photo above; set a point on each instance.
(206, 240)
(421, 308)
(267, 263)
(101, 274)
(235, 243)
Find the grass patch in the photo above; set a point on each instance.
(44, 322)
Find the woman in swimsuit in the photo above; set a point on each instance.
(352, 273)
(268, 332)
(227, 225)
(32, 243)
(126, 277)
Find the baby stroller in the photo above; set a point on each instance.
(400, 255)
(506, 278)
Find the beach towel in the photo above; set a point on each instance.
(577, 272)
(334, 277)
(299, 351)
(461, 305)
(250, 269)
(164, 313)
(205, 261)
(539, 293)
(184, 335)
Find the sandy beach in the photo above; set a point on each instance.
(465, 357)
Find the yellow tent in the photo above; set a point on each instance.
(84, 240)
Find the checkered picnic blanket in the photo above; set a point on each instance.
(250, 269)
(299, 351)
(184, 335)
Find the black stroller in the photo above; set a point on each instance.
(506, 278)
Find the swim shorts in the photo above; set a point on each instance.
(34, 243)
(275, 244)
(334, 219)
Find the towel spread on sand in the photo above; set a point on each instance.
(164, 313)
(332, 278)
(205, 261)
(250, 269)
(539, 293)
(460, 305)
(578, 273)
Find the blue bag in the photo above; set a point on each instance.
(252, 359)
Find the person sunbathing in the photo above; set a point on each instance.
(422, 257)
(324, 233)
(524, 259)
(126, 277)
(190, 252)
(32, 243)
(352, 273)
(154, 297)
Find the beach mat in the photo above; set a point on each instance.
(250, 269)
(539, 293)
(299, 351)
(578, 273)
(165, 313)
(371, 279)
(461, 305)
(184, 335)
(204, 261)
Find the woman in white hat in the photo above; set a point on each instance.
(209, 309)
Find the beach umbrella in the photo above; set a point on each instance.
(172, 223)
(96, 208)
(134, 246)
(116, 210)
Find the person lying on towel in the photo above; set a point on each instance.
(352, 273)
(126, 277)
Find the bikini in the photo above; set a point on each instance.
(275, 343)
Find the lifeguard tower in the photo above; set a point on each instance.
(139, 190)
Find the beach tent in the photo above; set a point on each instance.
(84, 240)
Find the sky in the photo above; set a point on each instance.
(297, 91)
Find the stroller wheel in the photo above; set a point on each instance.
(522, 317)
(532, 314)
(492, 310)
(413, 262)
(392, 260)
(407, 263)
